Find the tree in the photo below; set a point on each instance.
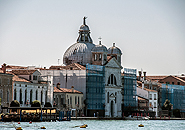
(167, 105)
(14, 103)
(36, 103)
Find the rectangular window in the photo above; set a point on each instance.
(70, 100)
(7, 96)
(155, 104)
(34, 77)
(62, 101)
(172, 82)
(155, 97)
(178, 83)
(150, 96)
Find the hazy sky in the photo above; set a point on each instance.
(150, 33)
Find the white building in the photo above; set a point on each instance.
(150, 95)
(26, 87)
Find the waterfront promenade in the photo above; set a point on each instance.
(120, 118)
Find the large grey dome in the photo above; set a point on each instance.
(114, 50)
(78, 53)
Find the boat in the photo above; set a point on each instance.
(140, 125)
(130, 117)
(83, 126)
(18, 128)
(43, 127)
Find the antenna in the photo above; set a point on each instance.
(58, 61)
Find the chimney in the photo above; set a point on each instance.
(140, 75)
(4, 68)
(143, 84)
(72, 87)
(144, 75)
(58, 85)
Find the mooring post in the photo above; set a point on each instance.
(20, 114)
(41, 115)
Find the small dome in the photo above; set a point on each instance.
(114, 50)
(84, 28)
(99, 48)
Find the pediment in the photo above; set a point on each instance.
(112, 95)
(113, 63)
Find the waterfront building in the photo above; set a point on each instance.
(6, 89)
(68, 99)
(26, 86)
(175, 94)
(129, 98)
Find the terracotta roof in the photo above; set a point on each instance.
(17, 78)
(23, 72)
(180, 79)
(140, 98)
(73, 66)
(155, 78)
(15, 67)
(65, 90)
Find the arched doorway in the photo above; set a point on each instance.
(112, 109)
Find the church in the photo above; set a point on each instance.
(94, 70)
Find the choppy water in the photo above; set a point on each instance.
(99, 125)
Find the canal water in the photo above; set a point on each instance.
(99, 125)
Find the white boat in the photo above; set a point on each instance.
(130, 117)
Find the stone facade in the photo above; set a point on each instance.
(6, 89)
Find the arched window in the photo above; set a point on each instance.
(115, 96)
(20, 100)
(7, 96)
(100, 57)
(95, 56)
(31, 96)
(15, 94)
(112, 80)
(36, 95)
(75, 100)
(25, 100)
(46, 96)
(107, 97)
(41, 96)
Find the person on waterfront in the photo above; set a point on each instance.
(94, 114)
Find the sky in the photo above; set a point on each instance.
(150, 33)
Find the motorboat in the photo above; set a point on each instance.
(130, 117)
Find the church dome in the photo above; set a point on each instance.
(114, 50)
(99, 48)
(80, 52)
